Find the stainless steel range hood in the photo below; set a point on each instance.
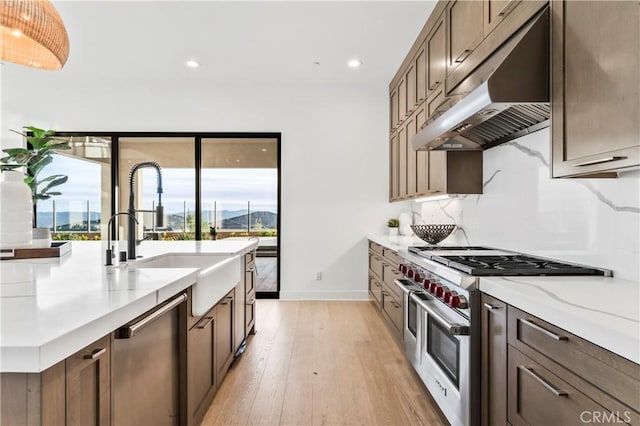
(506, 97)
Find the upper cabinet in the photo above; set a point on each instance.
(436, 53)
(465, 30)
(595, 87)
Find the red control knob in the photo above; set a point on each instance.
(401, 268)
(410, 273)
(439, 291)
(432, 287)
(455, 301)
(404, 269)
(446, 297)
(425, 283)
(417, 277)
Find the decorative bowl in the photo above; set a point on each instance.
(433, 234)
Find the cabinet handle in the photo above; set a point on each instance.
(128, 331)
(491, 307)
(600, 160)
(226, 300)
(540, 380)
(204, 323)
(96, 353)
(542, 330)
(251, 269)
(434, 85)
(251, 301)
(460, 59)
(507, 7)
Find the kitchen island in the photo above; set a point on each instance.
(52, 307)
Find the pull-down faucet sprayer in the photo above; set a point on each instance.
(131, 231)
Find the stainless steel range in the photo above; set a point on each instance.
(442, 316)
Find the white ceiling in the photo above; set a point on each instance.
(239, 42)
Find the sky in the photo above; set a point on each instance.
(230, 188)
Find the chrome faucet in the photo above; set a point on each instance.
(110, 251)
(131, 230)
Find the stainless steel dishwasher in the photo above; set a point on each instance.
(147, 369)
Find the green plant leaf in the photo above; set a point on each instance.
(54, 193)
(54, 180)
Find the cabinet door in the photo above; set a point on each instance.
(392, 310)
(465, 30)
(436, 57)
(402, 100)
(412, 158)
(250, 300)
(375, 290)
(402, 162)
(88, 385)
(422, 157)
(201, 370)
(495, 11)
(224, 336)
(410, 77)
(494, 362)
(393, 110)
(438, 172)
(538, 397)
(393, 167)
(595, 86)
(421, 76)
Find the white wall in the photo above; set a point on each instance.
(590, 221)
(334, 155)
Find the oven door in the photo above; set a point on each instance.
(446, 360)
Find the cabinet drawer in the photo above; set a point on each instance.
(391, 256)
(393, 311)
(376, 248)
(609, 372)
(389, 274)
(375, 264)
(538, 397)
(375, 289)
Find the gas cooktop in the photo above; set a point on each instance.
(486, 261)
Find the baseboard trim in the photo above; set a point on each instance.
(359, 295)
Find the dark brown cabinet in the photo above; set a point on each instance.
(384, 294)
(210, 351)
(595, 87)
(75, 391)
(534, 373)
(465, 30)
(436, 57)
(223, 344)
(493, 368)
(202, 369)
(495, 11)
(250, 290)
(88, 385)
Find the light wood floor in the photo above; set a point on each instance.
(267, 277)
(321, 363)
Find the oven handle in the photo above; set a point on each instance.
(405, 285)
(454, 329)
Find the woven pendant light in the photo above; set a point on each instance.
(32, 34)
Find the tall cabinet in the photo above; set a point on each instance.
(595, 87)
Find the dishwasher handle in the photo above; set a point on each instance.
(129, 330)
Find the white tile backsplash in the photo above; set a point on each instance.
(589, 221)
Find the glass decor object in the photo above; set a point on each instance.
(32, 34)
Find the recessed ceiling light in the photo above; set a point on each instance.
(354, 63)
(193, 64)
(16, 33)
(264, 149)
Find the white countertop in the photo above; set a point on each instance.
(52, 307)
(602, 310)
